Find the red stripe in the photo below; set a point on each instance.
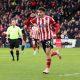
(46, 29)
(43, 20)
(43, 33)
(47, 33)
(40, 35)
(42, 38)
(50, 34)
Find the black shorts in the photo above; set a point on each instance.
(47, 44)
(36, 42)
(14, 43)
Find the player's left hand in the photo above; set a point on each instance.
(54, 36)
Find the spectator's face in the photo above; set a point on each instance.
(13, 22)
(41, 13)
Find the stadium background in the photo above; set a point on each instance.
(65, 12)
(30, 67)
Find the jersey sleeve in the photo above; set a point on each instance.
(33, 21)
(52, 21)
(27, 22)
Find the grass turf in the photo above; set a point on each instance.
(30, 67)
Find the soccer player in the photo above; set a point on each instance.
(45, 34)
(24, 38)
(13, 33)
(34, 33)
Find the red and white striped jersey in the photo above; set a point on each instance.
(35, 32)
(45, 27)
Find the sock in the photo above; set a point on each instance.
(12, 54)
(48, 63)
(17, 54)
(34, 47)
(22, 48)
(53, 53)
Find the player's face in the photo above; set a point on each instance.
(41, 13)
(13, 22)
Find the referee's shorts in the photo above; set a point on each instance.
(14, 43)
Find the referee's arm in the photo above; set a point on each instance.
(20, 34)
(8, 34)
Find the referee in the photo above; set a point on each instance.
(13, 33)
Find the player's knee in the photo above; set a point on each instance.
(47, 52)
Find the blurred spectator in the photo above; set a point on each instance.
(24, 10)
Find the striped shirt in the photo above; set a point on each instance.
(45, 27)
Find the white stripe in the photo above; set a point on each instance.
(67, 75)
(37, 20)
(41, 29)
(45, 28)
(44, 20)
(40, 21)
(48, 28)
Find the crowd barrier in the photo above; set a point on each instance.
(66, 43)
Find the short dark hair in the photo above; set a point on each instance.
(42, 9)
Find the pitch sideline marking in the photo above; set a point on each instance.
(67, 75)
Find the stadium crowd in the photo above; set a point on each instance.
(71, 29)
(60, 10)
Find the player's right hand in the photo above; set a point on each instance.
(54, 36)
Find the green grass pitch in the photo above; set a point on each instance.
(30, 67)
